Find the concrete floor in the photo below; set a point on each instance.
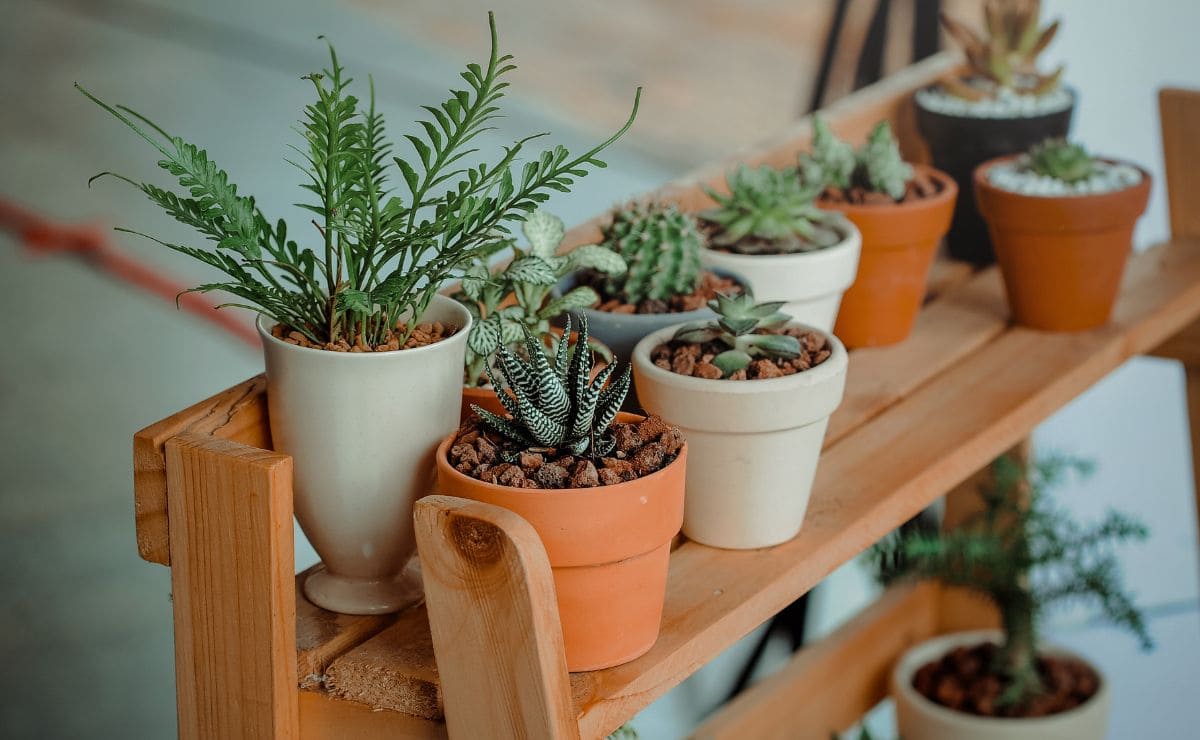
(85, 627)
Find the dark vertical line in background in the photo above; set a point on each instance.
(870, 59)
(925, 34)
(831, 44)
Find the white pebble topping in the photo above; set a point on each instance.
(1015, 176)
(1007, 104)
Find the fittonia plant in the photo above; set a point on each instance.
(1061, 160)
(529, 279)
(556, 405)
(770, 211)
(877, 166)
(380, 255)
(739, 319)
(661, 246)
(1005, 59)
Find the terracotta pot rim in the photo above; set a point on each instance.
(851, 240)
(982, 183)
(934, 85)
(443, 463)
(460, 335)
(948, 192)
(904, 683)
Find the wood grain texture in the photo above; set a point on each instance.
(323, 635)
(832, 683)
(1179, 112)
(232, 586)
(238, 413)
(323, 717)
(494, 621)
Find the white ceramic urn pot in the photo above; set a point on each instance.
(753, 444)
(919, 718)
(362, 429)
(810, 284)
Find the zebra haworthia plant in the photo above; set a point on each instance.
(738, 320)
(556, 405)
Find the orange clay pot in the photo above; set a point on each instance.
(608, 547)
(1062, 257)
(899, 242)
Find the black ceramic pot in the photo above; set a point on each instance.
(959, 144)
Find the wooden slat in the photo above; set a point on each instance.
(323, 635)
(1179, 111)
(238, 413)
(231, 582)
(394, 670)
(325, 718)
(494, 621)
(831, 684)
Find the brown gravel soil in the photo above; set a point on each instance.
(642, 448)
(710, 284)
(960, 680)
(423, 335)
(690, 358)
(919, 187)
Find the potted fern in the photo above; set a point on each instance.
(752, 391)
(358, 343)
(1001, 104)
(902, 212)
(520, 296)
(665, 282)
(1062, 224)
(603, 489)
(769, 230)
(1024, 557)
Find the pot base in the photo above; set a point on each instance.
(363, 596)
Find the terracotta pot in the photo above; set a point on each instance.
(958, 144)
(608, 548)
(810, 283)
(1062, 257)
(754, 444)
(899, 244)
(360, 463)
(919, 718)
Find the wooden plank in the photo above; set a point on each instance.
(831, 684)
(1179, 112)
(494, 620)
(232, 587)
(323, 635)
(325, 718)
(238, 413)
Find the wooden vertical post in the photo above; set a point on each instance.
(1179, 114)
(494, 622)
(232, 582)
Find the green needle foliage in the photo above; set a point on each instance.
(877, 166)
(1025, 558)
(770, 211)
(380, 256)
(1062, 160)
(738, 320)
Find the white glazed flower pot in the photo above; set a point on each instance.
(362, 429)
(919, 718)
(811, 284)
(753, 444)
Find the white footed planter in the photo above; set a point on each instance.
(362, 429)
(919, 718)
(753, 444)
(811, 284)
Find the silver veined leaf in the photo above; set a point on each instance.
(576, 298)
(484, 337)
(544, 232)
(532, 271)
(596, 257)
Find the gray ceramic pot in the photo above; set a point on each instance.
(622, 331)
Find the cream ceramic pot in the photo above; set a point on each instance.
(362, 429)
(811, 284)
(919, 718)
(753, 444)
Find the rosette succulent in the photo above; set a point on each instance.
(1062, 160)
(1005, 58)
(738, 320)
(770, 211)
(661, 247)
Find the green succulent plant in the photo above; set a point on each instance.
(877, 166)
(529, 278)
(1006, 57)
(661, 246)
(774, 207)
(1062, 160)
(738, 320)
(555, 405)
(1024, 556)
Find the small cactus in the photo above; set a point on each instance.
(556, 405)
(770, 211)
(738, 320)
(1006, 59)
(1062, 160)
(883, 169)
(877, 166)
(661, 247)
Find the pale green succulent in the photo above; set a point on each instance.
(738, 318)
(877, 166)
(776, 208)
(1005, 57)
(1062, 160)
(883, 169)
(832, 161)
(661, 247)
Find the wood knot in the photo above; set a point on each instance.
(478, 541)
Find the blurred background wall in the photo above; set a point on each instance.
(85, 626)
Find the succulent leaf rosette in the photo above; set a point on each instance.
(737, 326)
(1005, 57)
(1062, 160)
(770, 211)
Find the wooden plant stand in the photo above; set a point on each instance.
(255, 659)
